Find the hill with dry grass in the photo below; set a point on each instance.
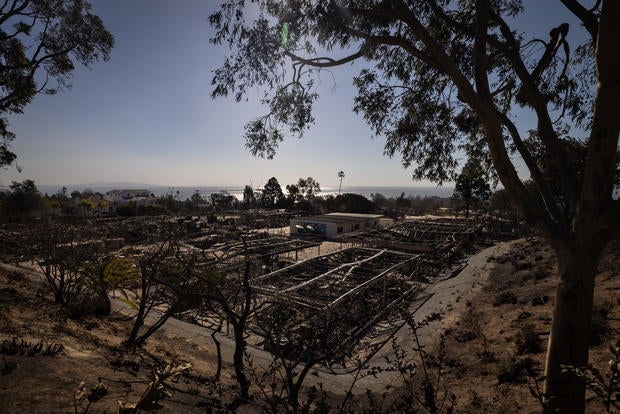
(488, 356)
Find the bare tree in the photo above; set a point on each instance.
(232, 299)
(167, 288)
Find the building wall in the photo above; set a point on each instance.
(328, 228)
(140, 197)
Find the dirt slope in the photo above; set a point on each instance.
(492, 319)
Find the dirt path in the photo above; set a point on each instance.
(448, 300)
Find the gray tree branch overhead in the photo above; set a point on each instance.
(41, 41)
(443, 76)
(589, 18)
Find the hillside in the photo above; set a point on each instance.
(489, 350)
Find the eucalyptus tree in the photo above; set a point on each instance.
(272, 193)
(308, 187)
(471, 185)
(249, 199)
(440, 75)
(40, 43)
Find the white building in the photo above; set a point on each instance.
(333, 224)
(140, 197)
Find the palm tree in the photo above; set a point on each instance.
(341, 176)
(109, 274)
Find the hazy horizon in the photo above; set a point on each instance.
(186, 191)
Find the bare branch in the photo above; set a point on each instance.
(558, 38)
(325, 62)
(547, 198)
(489, 115)
(545, 125)
(587, 17)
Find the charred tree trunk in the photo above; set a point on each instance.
(467, 203)
(570, 331)
(140, 316)
(239, 321)
(139, 341)
(218, 349)
(242, 379)
(131, 340)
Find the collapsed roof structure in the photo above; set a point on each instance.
(265, 247)
(342, 295)
(228, 253)
(438, 239)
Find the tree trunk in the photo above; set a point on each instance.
(139, 341)
(467, 202)
(131, 340)
(218, 348)
(243, 381)
(138, 323)
(570, 330)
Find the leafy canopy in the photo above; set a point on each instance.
(471, 185)
(40, 43)
(404, 93)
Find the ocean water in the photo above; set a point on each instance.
(183, 193)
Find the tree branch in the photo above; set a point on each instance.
(547, 133)
(358, 11)
(13, 10)
(547, 198)
(587, 17)
(558, 37)
(3, 6)
(384, 39)
(443, 62)
(326, 62)
(492, 125)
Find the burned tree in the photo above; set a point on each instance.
(231, 299)
(61, 251)
(167, 288)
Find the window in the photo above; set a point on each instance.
(357, 227)
(339, 229)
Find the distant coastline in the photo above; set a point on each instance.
(185, 192)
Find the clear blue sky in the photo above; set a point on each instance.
(146, 115)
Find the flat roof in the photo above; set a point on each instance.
(358, 215)
(338, 218)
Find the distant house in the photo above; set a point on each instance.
(333, 224)
(140, 197)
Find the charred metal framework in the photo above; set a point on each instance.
(342, 296)
(261, 248)
(325, 281)
(438, 239)
(228, 254)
